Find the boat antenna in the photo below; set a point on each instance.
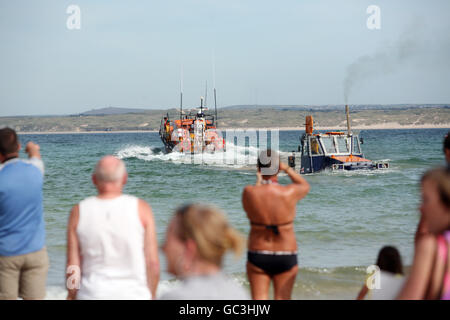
(181, 93)
(206, 92)
(214, 86)
(349, 132)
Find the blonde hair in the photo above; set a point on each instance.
(209, 229)
(441, 177)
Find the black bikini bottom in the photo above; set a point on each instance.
(272, 264)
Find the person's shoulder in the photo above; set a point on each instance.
(248, 190)
(87, 200)
(74, 215)
(131, 198)
(134, 198)
(36, 162)
(297, 189)
(15, 164)
(143, 205)
(282, 190)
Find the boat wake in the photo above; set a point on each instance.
(234, 157)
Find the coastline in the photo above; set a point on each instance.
(383, 126)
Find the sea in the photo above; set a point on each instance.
(340, 226)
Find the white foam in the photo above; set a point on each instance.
(56, 293)
(362, 172)
(235, 156)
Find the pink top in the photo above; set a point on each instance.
(443, 245)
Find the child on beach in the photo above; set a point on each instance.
(391, 276)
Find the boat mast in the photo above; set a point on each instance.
(349, 132)
(206, 92)
(215, 106)
(214, 86)
(181, 94)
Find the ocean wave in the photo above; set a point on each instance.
(235, 156)
(311, 283)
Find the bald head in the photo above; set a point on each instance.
(110, 170)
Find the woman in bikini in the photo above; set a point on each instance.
(430, 272)
(271, 209)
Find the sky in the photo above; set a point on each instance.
(291, 52)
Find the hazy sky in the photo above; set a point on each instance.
(130, 53)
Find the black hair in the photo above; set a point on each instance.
(8, 141)
(389, 260)
(446, 145)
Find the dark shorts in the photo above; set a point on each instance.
(272, 263)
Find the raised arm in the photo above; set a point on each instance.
(33, 150)
(258, 178)
(150, 246)
(300, 185)
(73, 266)
(417, 283)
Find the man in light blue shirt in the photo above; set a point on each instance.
(23, 256)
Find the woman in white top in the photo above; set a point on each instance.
(391, 276)
(197, 239)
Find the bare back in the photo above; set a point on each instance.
(267, 205)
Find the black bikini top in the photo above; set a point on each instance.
(272, 227)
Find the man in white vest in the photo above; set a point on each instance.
(112, 250)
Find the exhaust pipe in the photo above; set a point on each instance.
(348, 120)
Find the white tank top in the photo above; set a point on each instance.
(390, 286)
(111, 238)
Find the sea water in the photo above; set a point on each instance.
(340, 226)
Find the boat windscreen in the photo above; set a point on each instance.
(328, 143)
(343, 144)
(305, 147)
(356, 148)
